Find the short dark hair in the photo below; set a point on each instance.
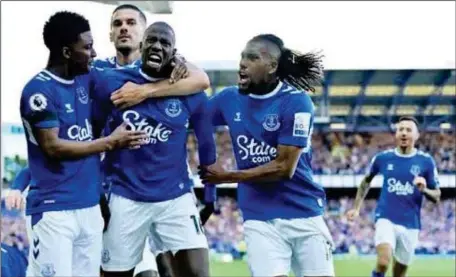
(131, 7)
(409, 118)
(63, 29)
(303, 71)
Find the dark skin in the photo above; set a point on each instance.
(74, 60)
(257, 75)
(165, 261)
(157, 54)
(257, 72)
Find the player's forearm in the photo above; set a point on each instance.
(195, 82)
(362, 192)
(69, 150)
(270, 172)
(432, 194)
(22, 180)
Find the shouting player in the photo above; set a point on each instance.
(63, 218)
(128, 23)
(151, 186)
(270, 118)
(408, 174)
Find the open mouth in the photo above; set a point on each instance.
(154, 60)
(243, 78)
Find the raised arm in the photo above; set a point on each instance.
(131, 94)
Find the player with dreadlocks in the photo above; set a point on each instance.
(270, 118)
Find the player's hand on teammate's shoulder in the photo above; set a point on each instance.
(352, 214)
(14, 200)
(123, 138)
(213, 174)
(128, 95)
(180, 70)
(420, 183)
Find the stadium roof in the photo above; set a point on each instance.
(372, 100)
(164, 7)
(353, 35)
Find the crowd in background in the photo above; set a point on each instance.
(224, 229)
(333, 153)
(345, 153)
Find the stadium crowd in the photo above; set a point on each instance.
(334, 153)
(346, 153)
(224, 230)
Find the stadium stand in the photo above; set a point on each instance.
(366, 103)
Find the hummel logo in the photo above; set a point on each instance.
(68, 108)
(237, 118)
(390, 167)
(36, 253)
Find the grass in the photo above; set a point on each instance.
(362, 267)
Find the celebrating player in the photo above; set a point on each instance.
(408, 174)
(270, 121)
(151, 186)
(128, 23)
(63, 217)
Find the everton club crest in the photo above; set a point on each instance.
(83, 96)
(173, 108)
(271, 122)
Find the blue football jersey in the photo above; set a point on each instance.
(111, 62)
(400, 200)
(48, 101)
(257, 125)
(14, 262)
(22, 180)
(158, 170)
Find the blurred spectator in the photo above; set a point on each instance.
(345, 153)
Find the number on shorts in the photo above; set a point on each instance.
(198, 224)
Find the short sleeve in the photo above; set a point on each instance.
(374, 166)
(38, 107)
(432, 175)
(297, 121)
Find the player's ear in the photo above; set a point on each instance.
(111, 36)
(273, 65)
(66, 52)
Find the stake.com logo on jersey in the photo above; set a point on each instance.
(154, 133)
(256, 152)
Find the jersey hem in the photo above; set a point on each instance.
(121, 191)
(54, 208)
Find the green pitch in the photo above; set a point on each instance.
(422, 267)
